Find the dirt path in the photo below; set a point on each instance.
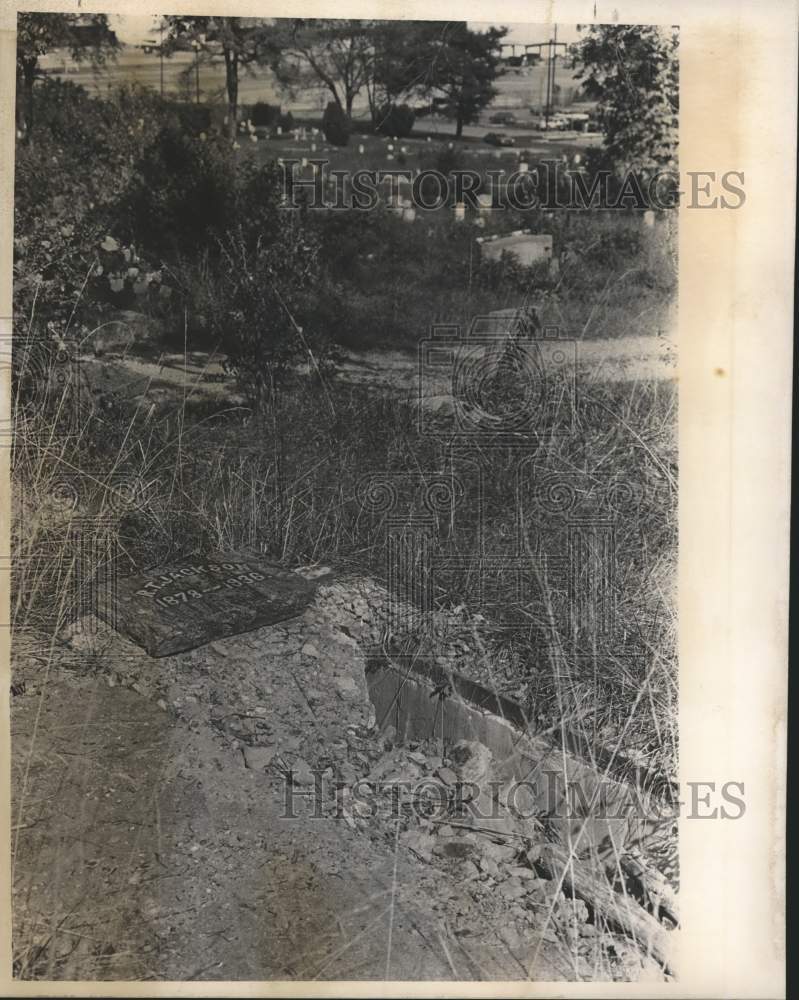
(200, 376)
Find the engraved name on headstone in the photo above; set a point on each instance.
(183, 605)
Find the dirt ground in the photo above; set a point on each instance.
(145, 847)
(151, 841)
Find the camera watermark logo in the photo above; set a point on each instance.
(38, 374)
(78, 558)
(555, 574)
(541, 558)
(506, 376)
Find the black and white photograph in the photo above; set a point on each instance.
(345, 495)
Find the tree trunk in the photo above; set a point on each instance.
(459, 125)
(332, 88)
(232, 84)
(28, 80)
(371, 97)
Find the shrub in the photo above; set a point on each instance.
(270, 116)
(335, 125)
(193, 118)
(251, 291)
(181, 196)
(395, 120)
(258, 303)
(67, 186)
(265, 115)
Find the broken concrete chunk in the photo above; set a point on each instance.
(301, 773)
(489, 866)
(470, 871)
(455, 848)
(313, 572)
(258, 758)
(513, 889)
(347, 686)
(470, 760)
(447, 775)
(421, 844)
(501, 853)
(522, 873)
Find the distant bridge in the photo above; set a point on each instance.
(531, 53)
(508, 49)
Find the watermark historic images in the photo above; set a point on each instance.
(550, 185)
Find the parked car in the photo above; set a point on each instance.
(495, 139)
(556, 121)
(503, 118)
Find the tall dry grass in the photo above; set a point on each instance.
(149, 483)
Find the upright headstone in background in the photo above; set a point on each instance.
(529, 248)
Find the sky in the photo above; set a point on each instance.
(136, 28)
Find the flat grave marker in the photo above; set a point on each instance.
(187, 604)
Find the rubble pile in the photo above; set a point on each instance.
(448, 806)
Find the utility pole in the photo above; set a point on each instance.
(161, 54)
(552, 45)
(196, 47)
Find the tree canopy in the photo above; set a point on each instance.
(238, 42)
(337, 54)
(84, 36)
(463, 67)
(632, 70)
(390, 60)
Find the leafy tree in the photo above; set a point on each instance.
(239, 42)
(403, 58)
(632, 70)
(259, 288)
(66, 197)
(390, 60)
(463, 69)
(85, 36)
(181, 194)
(336, 53)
